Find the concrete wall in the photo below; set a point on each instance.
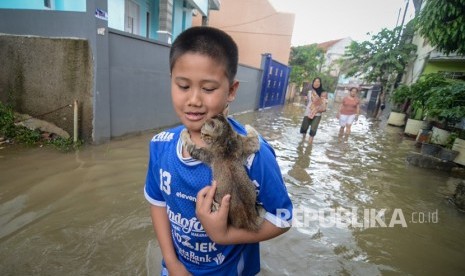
(129, 76)
(42, 76)
(140, 85)
(80, 25)
(58, 24)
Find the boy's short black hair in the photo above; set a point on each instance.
(208, 41)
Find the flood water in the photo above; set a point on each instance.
(83, 213)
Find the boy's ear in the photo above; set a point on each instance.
(233, 90)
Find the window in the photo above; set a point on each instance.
(47, 4)
(131, 18)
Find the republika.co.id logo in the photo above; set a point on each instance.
(355, 218)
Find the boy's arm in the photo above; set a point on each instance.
(162, 228)
(216, 223)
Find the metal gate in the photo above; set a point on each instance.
(372, 105)
(274, 82)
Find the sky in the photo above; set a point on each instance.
(318, 21)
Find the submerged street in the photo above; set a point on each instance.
(359, 208)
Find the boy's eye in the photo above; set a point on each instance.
(208, 89)
(183, 87)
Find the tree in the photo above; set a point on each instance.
(382, 58)
(442, 23)
(306, 62)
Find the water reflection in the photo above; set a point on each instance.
(298, 174)
(84, 213)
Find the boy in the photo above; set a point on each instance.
(193, 239)
(319, 104)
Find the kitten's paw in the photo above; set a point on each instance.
(251, 142)
(185, 138)
(251, 132)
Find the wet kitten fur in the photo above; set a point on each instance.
(226, 153)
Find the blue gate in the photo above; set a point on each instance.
(274, 82)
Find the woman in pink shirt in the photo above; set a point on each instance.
(348, 112)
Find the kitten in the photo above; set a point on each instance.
(226, 153)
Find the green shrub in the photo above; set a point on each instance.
(447, 102)
(400, 96)
(7, 121)
(23, 135)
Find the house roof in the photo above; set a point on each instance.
(327, 44)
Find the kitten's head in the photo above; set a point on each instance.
(216, 130)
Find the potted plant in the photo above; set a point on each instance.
(420, 92)
(447, 105)
(399, 98)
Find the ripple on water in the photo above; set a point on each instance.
(367, 171)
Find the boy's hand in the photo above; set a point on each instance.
(214, 223)
(177, 269)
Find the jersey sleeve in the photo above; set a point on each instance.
(152, 186)
(272, 192)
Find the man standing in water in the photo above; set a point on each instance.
(348, 112)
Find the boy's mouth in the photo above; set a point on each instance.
(194, 116)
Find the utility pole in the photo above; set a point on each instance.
(403, 19)
(398, 16)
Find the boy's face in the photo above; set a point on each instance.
(199, 90)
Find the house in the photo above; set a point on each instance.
(160, 20)
(429, 60)
(256, 27)
(58, 5)
(96, 52)
(334, 50)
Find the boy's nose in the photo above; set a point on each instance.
(195, 97)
